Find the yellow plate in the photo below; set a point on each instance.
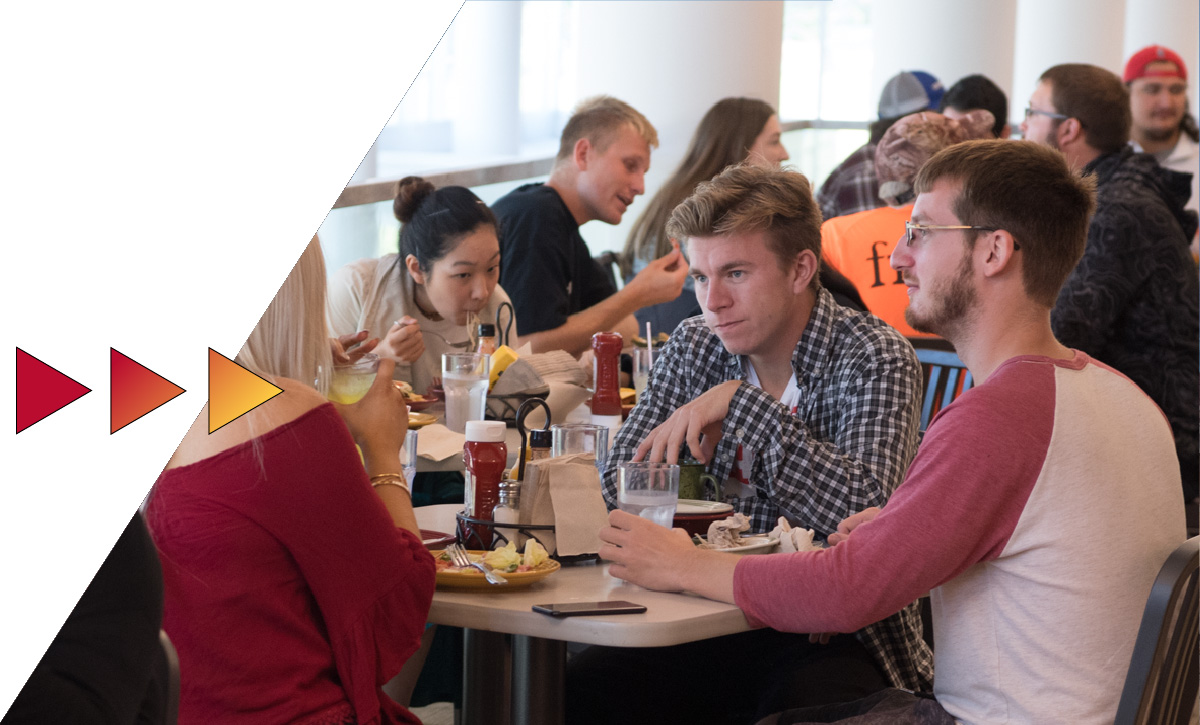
(473, 578)
(420, 420)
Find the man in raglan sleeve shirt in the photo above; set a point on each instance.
(1040, 505)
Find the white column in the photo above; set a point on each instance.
(1171, 23)
(1050, 32)
(672, 61)
(948, 38)
(487, 35)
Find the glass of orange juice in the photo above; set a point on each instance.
(351, 381)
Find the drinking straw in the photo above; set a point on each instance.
(649, 347)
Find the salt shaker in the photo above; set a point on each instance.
(508, 511)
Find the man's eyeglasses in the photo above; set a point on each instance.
(1031, 111)
(909, 227)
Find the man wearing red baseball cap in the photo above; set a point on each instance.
(1157, 82)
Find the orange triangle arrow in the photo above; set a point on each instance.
(135, 390)
(42, 390)
(233, 391)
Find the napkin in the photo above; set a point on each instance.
(437, 442)
(565, 491)
(520, 378)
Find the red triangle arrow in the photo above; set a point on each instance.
(42, 390)
(135, 390)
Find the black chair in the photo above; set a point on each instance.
(1164, 672)
(610, 265)
(945, 377)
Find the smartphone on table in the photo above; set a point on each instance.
(579, 609)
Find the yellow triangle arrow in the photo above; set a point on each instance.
(233, 391)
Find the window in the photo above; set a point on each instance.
(498, 87)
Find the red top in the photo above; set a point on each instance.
(290, 595)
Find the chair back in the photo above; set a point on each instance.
(946, 378)
(1162, 682)
(610, 265)
(171, 714)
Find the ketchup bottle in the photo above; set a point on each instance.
(484, 460)
(606, 400)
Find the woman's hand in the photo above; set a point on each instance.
(350, 348)
(379, 421)
(404, 340)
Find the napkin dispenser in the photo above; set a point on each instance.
(565, 491)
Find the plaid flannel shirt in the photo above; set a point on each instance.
(846, 448)
(851, 187)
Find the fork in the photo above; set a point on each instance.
(462, 558)
(465, 345)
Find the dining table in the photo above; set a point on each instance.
(515, 658)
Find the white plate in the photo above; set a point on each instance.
(691, 507)
(760, 545)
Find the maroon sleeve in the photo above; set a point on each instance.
(958, 505)
(373, 582)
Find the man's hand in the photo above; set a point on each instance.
(404, 340)
(851, 523)
(697, 423)
(661, 280)
(348, 349)
(645, 553)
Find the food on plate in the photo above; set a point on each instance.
(417, 421)
(727, 533)
(659, 340)
(407, 390)
(506, 560)
(793, 538)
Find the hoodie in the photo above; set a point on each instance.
(1132, 300)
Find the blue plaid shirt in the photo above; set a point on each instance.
(846, 448)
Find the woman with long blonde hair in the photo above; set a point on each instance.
(296, 582)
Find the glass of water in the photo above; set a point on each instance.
(464, 386)
(641, 370)
(649, 490)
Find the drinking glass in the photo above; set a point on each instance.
(649, 490)
(465, 386)
(568, 438)
(351, 381)
(408, 457)
(641, 370)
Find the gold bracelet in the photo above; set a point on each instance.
(391, 479)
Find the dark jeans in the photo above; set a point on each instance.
(738, 678)
(889, 707)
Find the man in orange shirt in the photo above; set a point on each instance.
(859, 245)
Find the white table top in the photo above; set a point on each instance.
(669, 618)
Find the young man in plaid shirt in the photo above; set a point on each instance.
(805, 409)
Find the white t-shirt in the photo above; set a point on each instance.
(738, 483)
